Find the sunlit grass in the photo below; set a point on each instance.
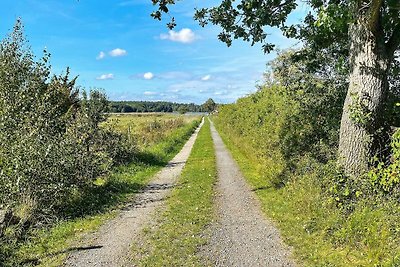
(49, 247)
(319, 232)
(148, 129)
(177, 233)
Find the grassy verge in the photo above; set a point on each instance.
(319, 232)
(177, 235)
(49, 247)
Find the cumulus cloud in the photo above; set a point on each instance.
(109, 76)
(101, 55)
(148, 75)
(206, 78)
(118, 52)
(224, 92)
(148, 93)
(185, 36)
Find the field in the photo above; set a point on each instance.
(148, 129)
(161, 137)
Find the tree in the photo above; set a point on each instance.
(182, 109)
(127, 109)
(209, 105)
(315, 93)
(369, 29)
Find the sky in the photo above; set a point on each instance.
(115, 45)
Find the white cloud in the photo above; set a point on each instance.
(185, 36)
(149, 93)
(118, 52)
(101, 55)
(224, 92)
(206, 78)
(109, 76)
(148, 76)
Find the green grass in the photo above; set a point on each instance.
(148, 129)
(87, 212)
(178, 231)
(320, 234)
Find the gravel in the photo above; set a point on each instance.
(241, 235)
(110, 246)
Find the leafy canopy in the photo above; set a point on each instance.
(325, 24)
(209, 105)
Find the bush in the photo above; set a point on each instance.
(51, 140)
(285, 139)
(317, 85)
(256, 122)
(385, 177)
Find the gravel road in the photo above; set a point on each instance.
(110, 245)
(241, 235)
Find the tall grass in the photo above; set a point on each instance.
(86, 211)
(52, 147)
(328, 221)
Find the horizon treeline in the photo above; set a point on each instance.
(160, 106)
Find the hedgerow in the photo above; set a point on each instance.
(52, 142)
(287, 136)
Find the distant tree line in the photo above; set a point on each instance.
(160, 106)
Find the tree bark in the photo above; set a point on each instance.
(366, 96)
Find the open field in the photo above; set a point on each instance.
(147, 129)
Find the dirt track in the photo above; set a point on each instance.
(110, 245)
(241, 235)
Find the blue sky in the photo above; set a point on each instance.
(115, 45)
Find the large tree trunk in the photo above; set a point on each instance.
(363, 107)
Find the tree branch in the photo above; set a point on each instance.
(394, 41)
(375, 14)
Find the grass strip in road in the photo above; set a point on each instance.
(49, 247)
(177, 233)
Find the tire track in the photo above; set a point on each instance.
(110, 246)
(241, 235)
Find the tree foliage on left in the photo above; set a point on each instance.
(51, 142)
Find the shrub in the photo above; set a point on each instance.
(51, 140)
(385, 177)
(285, 135)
